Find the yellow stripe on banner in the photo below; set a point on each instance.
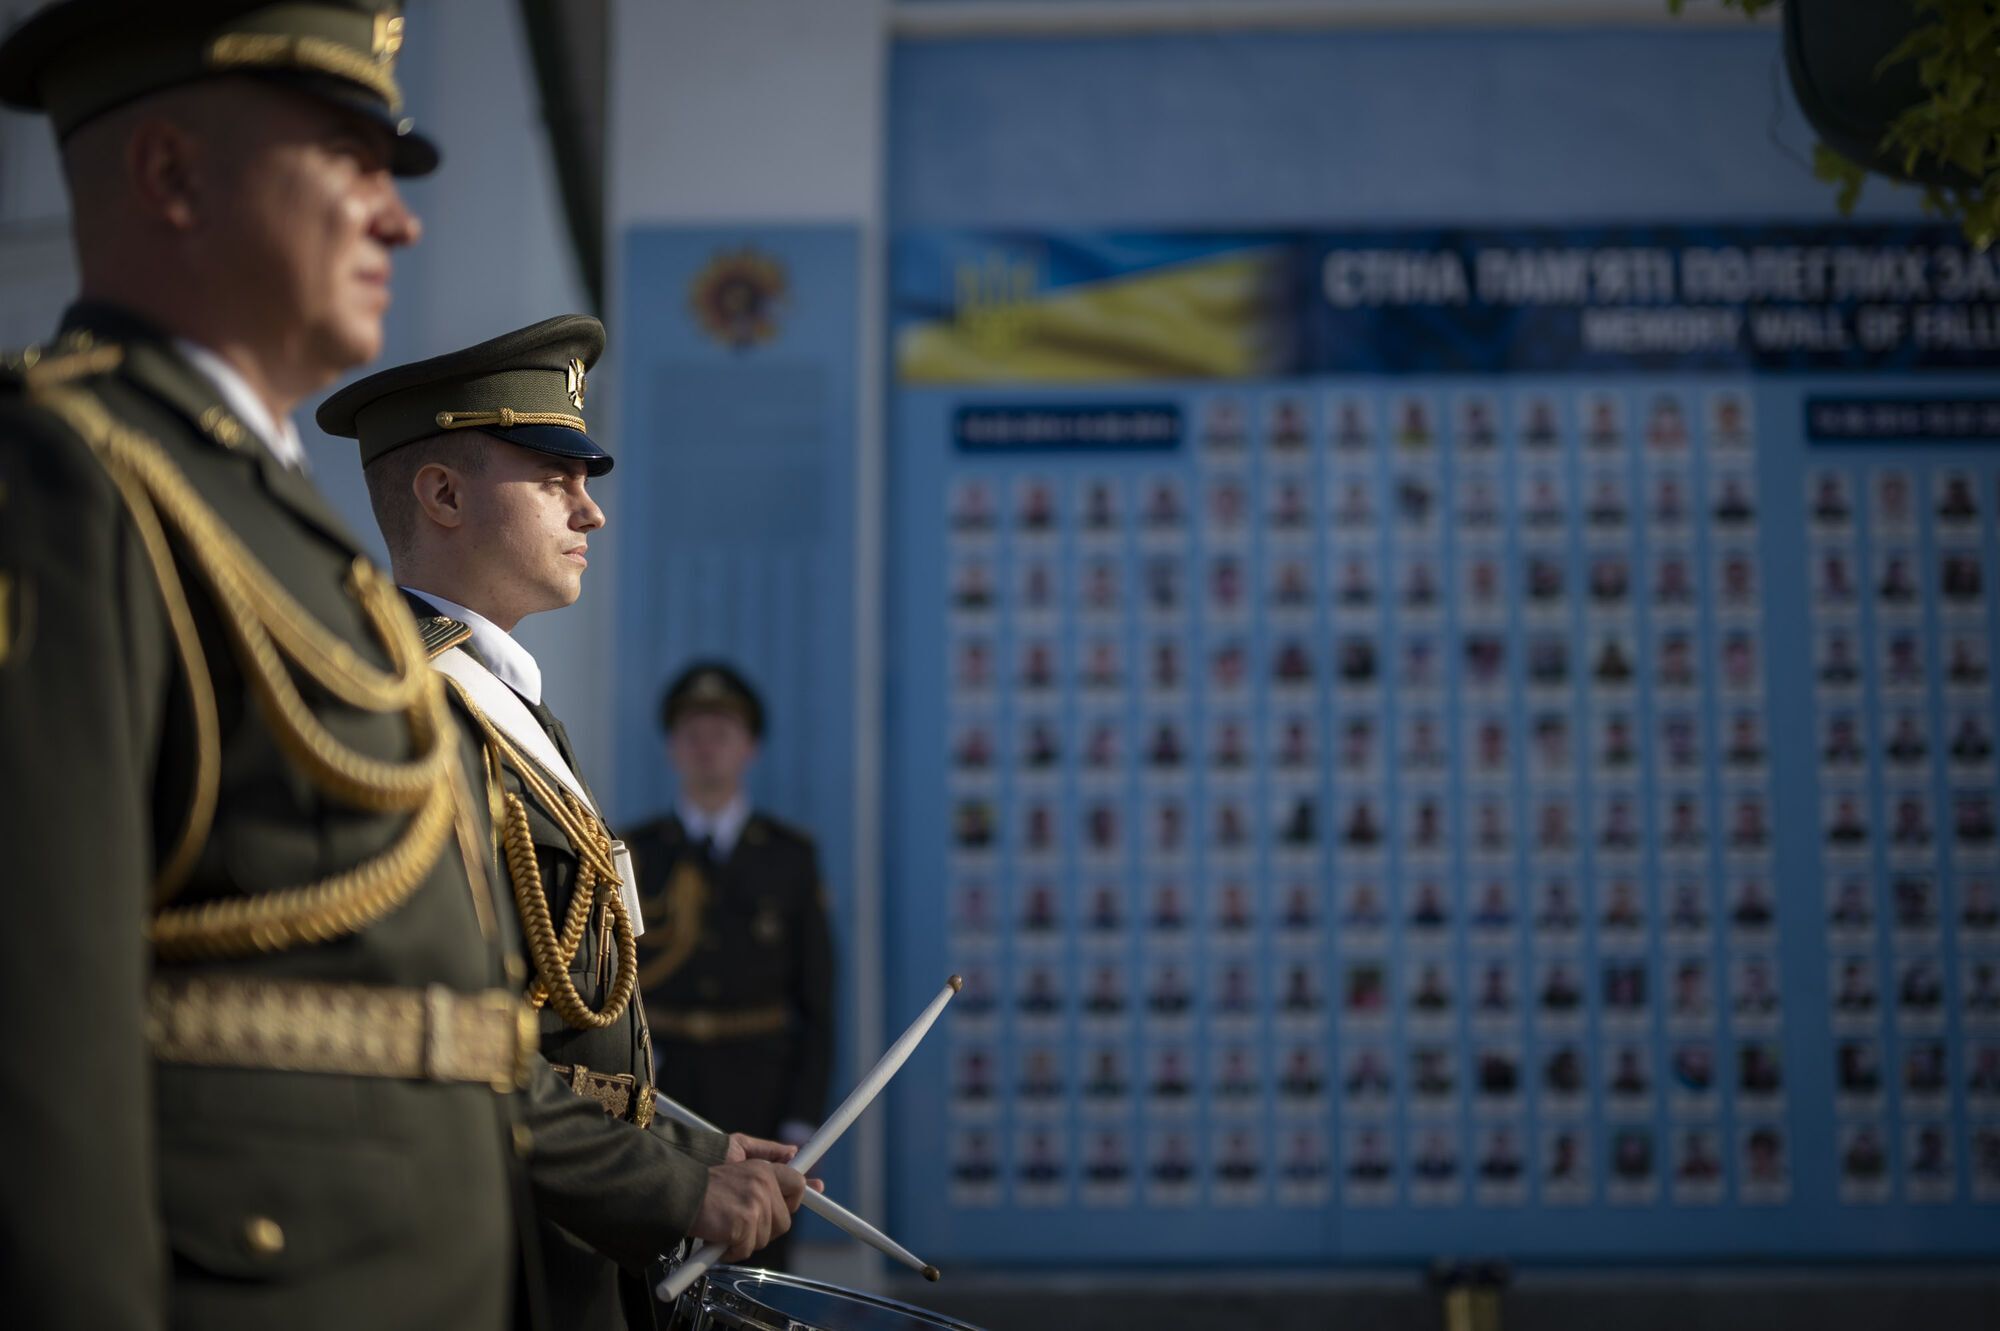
(1220, 318)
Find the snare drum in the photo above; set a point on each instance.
(736, 1298)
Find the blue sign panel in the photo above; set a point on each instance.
(1494, 778)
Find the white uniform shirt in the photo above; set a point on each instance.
(513, 664)
(720, 829)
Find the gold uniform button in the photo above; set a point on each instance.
(263, 1236)
(524, 1141)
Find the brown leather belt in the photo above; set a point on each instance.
(708, 1025)
(353, 1030)
(619, 1092)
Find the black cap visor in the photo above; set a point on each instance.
(558, 441)
(410, 153)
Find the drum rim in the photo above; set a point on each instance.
(787, 1280)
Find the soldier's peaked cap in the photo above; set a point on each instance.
(526, 387)
(77, 59)
(712, 686)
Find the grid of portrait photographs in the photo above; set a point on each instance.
(1900, 564)
(1367, 805)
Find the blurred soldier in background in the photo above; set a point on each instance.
(736, 964)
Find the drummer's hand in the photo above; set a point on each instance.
(742, 1146)
(748, 1203)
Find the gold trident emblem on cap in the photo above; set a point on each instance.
(578, 380)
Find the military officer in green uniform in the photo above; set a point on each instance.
(735, 963)
(266, 1062)
(478, 463)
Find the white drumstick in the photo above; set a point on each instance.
(827, 1208)
(829, 1132)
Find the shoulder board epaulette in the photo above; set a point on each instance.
(440, 634)
(74, 356)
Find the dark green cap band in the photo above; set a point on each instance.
(523, 397)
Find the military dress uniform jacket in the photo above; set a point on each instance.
(584, 1288)
(144, 1192)
(737, 968)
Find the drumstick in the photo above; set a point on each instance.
(871, 1085)
(827, 1208)
(829, 1132)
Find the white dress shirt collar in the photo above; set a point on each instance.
(509, 660)
(280, 436)
(721, 829)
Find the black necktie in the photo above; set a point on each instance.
(556, 733)
(707, 851)
(544, 717)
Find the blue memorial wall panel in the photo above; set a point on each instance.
(733, 507)
(1446, 740)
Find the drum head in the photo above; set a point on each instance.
(753, 1297)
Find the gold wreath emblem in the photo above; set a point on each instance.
(736, 298)
(578, 381)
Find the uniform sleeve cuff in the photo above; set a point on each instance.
(710, 1148)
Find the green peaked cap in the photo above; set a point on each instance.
(527, 387)
(78, 59)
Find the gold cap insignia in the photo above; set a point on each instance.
(578, 381)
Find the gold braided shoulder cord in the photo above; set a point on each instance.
(200, 815)
(269, 628)
(553, 952)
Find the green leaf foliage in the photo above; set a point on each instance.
(1957, 124)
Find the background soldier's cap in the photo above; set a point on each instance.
(526, 387)
(712, 686)
(78, 59)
